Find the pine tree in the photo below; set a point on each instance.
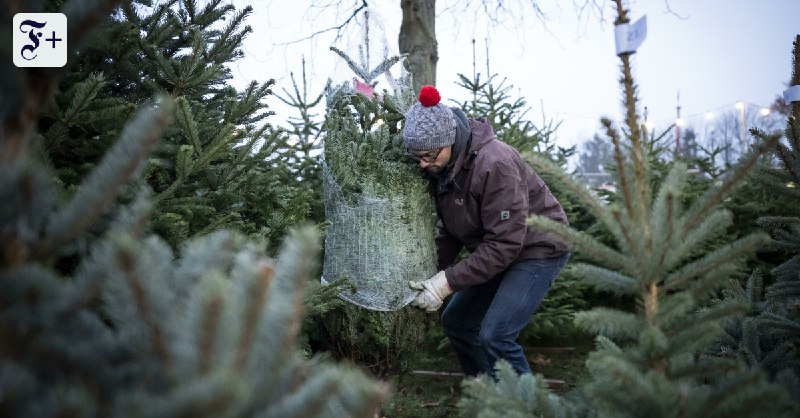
(135, 331)
(649, 361)
(220, 163)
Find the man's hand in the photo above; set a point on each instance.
(432, 292)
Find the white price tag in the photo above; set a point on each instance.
(792, 94)
(629, 37)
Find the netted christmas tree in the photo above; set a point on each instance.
(381, 219)
(138, 331)
(650, 361)
(381, 215)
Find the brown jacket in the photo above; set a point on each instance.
(483, 205)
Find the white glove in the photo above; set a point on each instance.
(433, 292)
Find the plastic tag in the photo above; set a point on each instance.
(628, 37)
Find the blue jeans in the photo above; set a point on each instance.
(484, 321)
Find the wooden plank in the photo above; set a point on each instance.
(550, 349)
(551, 383)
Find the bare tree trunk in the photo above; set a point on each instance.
(418, 40)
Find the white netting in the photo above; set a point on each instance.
(377, 245)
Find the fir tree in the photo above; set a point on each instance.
(219, 165)
(136, 331)
(770, 336)
(304, 143)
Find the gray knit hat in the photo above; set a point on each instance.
(429, 124)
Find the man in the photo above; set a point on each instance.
(484, 192)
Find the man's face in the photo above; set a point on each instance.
(432, 161)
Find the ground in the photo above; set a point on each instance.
(433, 396)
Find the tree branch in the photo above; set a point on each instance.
(338, 28)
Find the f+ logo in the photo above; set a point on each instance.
(40, 39)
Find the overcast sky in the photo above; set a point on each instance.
(711, 52)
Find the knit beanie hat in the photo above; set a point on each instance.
(429, 124)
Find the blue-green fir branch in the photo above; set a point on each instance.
(744, 392)
(686, 246)
(117, 168)
(713, 197)
(512, 395)
(610, 323)
(730, 253)
(578, 190)
(588, 244)
(781, 324)
(784, 291)
(697, 331)
(708, 284)
(361, 71)
(665, 208)
(606, 280)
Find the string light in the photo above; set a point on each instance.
(689, 120)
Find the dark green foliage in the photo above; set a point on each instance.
(769, 336)
(380, 341)
(219, 164)
(303, 146)
(364, 149)
(364, 154)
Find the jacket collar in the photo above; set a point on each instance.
(480, 133)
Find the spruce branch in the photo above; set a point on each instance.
(714, 196)
(209, 330)
(730, 253)
(586, 242)
(103, 185)
(607, 280)
(259, 294)
(619, 157)
(610, 323)
(578, 190)
(127, 254)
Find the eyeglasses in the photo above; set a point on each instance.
(427, 157)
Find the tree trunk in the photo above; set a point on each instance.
(418, 40)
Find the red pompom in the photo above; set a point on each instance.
(429, 96)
